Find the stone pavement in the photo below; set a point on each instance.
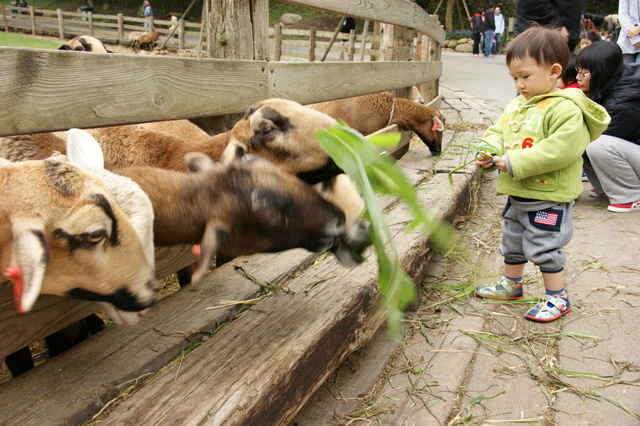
(469, 361)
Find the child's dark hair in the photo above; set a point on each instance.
(592, 35)
(570, 74)
(545, 45)
(604, 62)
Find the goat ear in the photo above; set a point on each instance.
(83, 149)
(213, 239)
(28, 264)
(437, 124)
(198, 162)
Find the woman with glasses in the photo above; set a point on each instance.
(612, 162)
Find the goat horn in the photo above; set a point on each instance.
(213, 239)
(29, 263)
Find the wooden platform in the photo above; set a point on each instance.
(258, 367)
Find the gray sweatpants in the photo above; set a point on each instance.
(613, 168)
(537, 236)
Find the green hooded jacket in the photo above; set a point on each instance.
(543, 140)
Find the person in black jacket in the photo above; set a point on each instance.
(489, 29)
(477, 28)
(612, 161)
(564, 14)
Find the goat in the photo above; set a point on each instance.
(370, 113)
(85, 44)
(62, 233)
(279, 130)
(140, 40)
(244, 207)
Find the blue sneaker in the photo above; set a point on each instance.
(549, 308)
(505, 289)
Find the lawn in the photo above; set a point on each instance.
(18, 40)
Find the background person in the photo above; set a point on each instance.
(489, 30)
(589, 37)
(612, 161)
(563, 14)
(477, 28)
(500, 27)
(629, 38)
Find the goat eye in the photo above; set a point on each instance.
(96, 237)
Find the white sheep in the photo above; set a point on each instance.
(62, 233)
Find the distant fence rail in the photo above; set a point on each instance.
(291, 43)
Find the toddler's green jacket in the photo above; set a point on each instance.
(543, 140)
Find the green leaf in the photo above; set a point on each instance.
(374, 173)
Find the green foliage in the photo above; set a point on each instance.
(374, 173)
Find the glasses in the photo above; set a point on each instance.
(582, 74)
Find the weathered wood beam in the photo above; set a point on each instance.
(396, 12)
(50, 90)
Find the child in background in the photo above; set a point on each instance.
(537, 144)
(569, 76)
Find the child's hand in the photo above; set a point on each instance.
(484, 159)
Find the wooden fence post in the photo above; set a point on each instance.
(32, 12)
(90, 18)
(363, 44)
(352, 45)
(277, 41)
(4, 19)
(60, 23)
(120, 28)
(181, 34)
(312, 44)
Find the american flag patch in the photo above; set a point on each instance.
(546, 218)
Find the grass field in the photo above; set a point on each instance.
(19, 40)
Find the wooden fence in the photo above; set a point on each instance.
(286, 43)
(50, 90)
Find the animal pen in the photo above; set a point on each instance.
(262, 367)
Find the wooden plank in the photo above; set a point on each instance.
(299, 80)
(53, 313)
(396, 12)
(91, 373)
(44, 90)
(113, 89)
(49, 315)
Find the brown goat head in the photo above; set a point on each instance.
(283, 132)
(62, 234)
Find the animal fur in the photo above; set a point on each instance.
(85, 44)
(370, 113)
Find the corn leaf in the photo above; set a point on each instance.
(374, 173)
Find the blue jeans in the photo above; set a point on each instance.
(631, 58)
(488, 42)
(496, 48)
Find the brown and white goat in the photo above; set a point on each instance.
(85, 44)
(62, 233)
(244, 207)
(370, 113)
(140, 40)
